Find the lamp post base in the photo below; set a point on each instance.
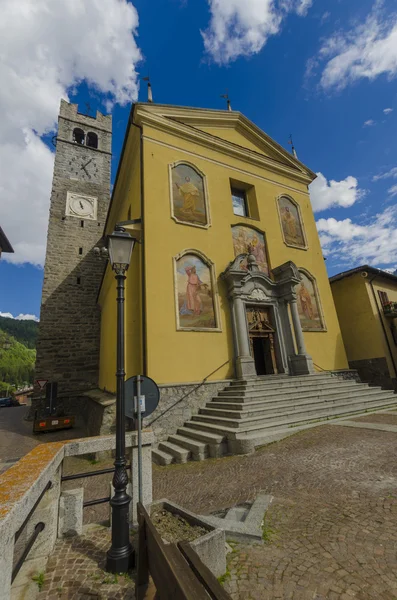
(120, 560)
(120, 557)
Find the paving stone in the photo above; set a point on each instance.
(333, 516)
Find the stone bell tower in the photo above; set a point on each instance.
(68, 344)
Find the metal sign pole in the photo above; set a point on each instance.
(138, 393)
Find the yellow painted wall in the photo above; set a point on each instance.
(390, 349)
(359, 318)
(358, 323)
(181, 356)
(127, 196)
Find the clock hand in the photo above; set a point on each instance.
(81, 204)
(84, 166)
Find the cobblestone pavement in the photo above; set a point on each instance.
(76, 571)
(388, 418)
(330, 532)
(331, 527)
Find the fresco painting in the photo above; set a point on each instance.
(247, 240)
(291, 223)
(194, 294)
(309, 310)
(188, 196)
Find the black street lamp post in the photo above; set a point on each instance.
(120, 555)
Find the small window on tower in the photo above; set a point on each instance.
(78, 136)
(92, 140)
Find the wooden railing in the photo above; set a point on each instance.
(176, 570)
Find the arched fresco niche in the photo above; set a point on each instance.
(291, 222)
(195, 292)
(189, 203)
(309, 305)
(251, 241)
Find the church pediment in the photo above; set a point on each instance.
(229, 130)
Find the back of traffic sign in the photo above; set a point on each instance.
(149, 390)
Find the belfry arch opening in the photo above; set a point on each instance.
(78, 136)
(92, 140)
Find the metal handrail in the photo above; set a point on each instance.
(38, 529)
(18, 533)
(90, 473)
(188, 394)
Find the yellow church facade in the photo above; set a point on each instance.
(228, 280)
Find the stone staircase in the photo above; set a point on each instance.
(252, 412)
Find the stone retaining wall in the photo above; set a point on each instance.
(178, 403)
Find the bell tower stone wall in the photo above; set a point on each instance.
(68, 343)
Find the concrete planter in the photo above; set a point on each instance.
(210, 547)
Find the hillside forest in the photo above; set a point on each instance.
(17, 353)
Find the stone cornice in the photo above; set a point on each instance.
(161, 119)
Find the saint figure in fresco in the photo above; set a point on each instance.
(257, 250)
(190, 194)
(193, 302)
(289, 221)
(240, 243)
(306, 302)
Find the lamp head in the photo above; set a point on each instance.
(120, 246)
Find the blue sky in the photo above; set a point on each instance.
(323, 70)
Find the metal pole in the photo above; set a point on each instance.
(138, 391)
(119, 556)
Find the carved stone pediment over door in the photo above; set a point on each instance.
(259, 320)
(263, 337)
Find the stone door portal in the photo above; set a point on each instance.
(261, 336)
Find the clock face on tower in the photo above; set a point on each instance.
(81, 206)
(85, 168)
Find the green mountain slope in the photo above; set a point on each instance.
(24, 332)
(16, 363)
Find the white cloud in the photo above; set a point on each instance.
(392, 191)
(242, 27)
(389, 174)
(48, 48)
(325, 17)
(387, 111)
(369, 123)
(303, 6)
(20, 317)
(365, 52)
(324, 194)
(353, 244)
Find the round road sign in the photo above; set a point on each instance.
(149, 389)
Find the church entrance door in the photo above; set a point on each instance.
(261, 335)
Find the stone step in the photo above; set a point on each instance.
(180, 454)
(216, 443)
(254, 409)
(291, 392)
(281, 380)
(257, 408)
(237, 422)
(208, 438)
(285, 383)
(284, 389)
(199, 450)
(291, 397)
(285, 425)
(161, 458)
